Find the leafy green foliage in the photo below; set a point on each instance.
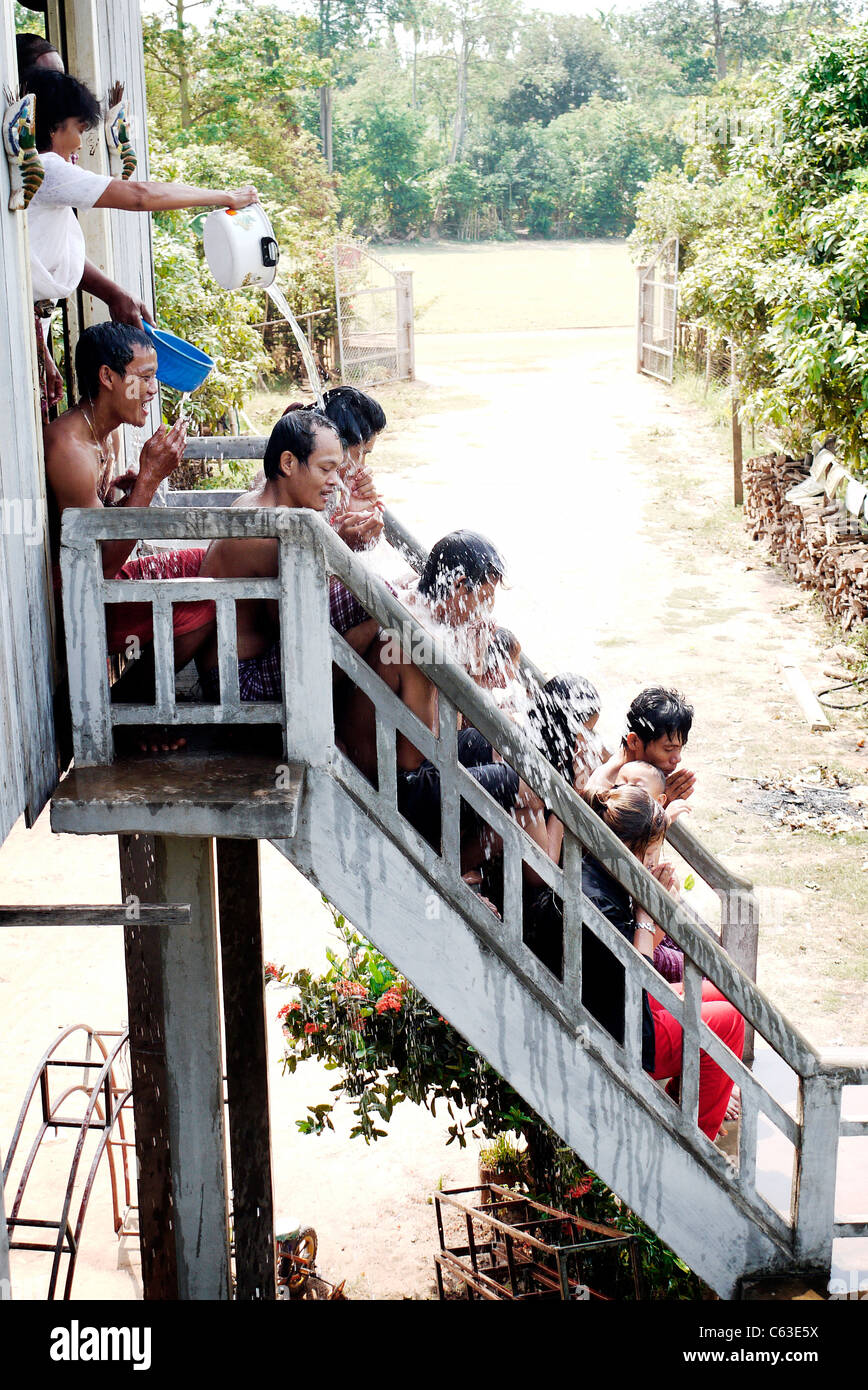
(775, 244)
(364, 1021)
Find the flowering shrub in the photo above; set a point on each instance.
(362, 1019)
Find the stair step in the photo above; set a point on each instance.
(242, 798)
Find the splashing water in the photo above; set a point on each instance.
(278, 299)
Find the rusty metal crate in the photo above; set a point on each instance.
(521, 1250)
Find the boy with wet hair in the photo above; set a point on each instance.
(456, 589)
(658, 724)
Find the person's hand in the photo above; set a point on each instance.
(125, 308)
(124, 484)
(163, 453)
(679, 785)
(667, 878)
(362, 485)
(358, 530)
(674, 810)
(54, 384)
(241, 198)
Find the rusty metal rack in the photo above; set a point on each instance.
(521, 1250)
(107, 1092)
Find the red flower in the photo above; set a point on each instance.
(390, 1000)
(311, 1027)
(352, 989)
(295, 1006)
(582, 1187)
(281, 1013)
(272, 971)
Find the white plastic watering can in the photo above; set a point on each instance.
(241, 248)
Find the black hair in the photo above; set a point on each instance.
(460, 554)
(296, 432)
(561, 707)
(106, 345)
(60, 98)
(656, 712)
(504, 643)
(29, 48)
(357, 417)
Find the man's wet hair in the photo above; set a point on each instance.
(29, 48)
(60, 98)
(295, 432)
(106, 345)
(461, 554)
(357, 416)
(560, 710)
(656, 713)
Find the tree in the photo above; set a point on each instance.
(561, 62)
(780, 266)
(473, 30)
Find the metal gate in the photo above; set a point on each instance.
(375, 318)
(658, 311)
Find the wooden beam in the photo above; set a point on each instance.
(807, 699)
(238, 890)
(149, 1078)
(98, 916)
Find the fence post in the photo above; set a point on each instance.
(405, 325)
(5, 1277)
(640, 309)
(737, 489)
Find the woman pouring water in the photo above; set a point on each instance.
(65, 109)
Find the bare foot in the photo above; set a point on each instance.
(151, 742)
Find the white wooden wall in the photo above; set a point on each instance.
(27, 754)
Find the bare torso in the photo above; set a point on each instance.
(258, 622)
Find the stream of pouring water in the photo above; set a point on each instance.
(278, 299)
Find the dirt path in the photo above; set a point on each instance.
(609, 499)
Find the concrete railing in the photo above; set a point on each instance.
(309, 555)
(739, 906)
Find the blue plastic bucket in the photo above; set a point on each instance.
(179, 364)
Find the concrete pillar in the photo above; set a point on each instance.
(180, 869)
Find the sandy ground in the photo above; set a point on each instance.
(609, 499)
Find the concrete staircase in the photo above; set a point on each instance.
(349, 839)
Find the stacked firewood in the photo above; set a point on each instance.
(818, 542)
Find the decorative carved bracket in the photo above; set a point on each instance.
(118, 134)
(19, 139)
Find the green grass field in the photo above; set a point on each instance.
(494, 287)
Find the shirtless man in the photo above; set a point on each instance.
(658, 724)
(116, 367)
(300, 469)
(457, 587)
